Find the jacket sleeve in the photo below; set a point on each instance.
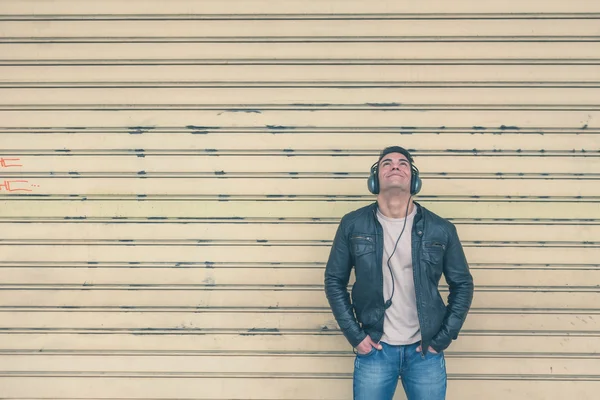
(337, 275)
(460, 283)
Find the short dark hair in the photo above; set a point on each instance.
(395, 149)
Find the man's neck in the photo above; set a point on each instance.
(395, 206)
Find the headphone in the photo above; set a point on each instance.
(415, 180)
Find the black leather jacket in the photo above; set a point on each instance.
(436, 250)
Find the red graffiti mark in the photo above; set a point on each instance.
(4, 164)
(10, 186)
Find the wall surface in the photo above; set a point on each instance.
(172, 174)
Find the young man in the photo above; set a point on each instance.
(396, 319)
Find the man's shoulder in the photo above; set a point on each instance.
(437, 219)
(358, 214)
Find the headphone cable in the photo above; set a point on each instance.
(388, 303)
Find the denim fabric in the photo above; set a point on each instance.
(376, 374)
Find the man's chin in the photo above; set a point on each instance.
(395, 190)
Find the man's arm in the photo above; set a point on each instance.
(337, 275)
(460, 283)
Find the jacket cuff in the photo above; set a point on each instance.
(356, 340)
(439, 344)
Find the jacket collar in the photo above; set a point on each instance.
(418, 221)
(374, 206)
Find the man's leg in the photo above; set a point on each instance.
(376, 374)
(423, 378)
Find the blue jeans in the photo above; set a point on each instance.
(376, 374)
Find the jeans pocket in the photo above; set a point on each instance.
(370, 353)
(431, 354)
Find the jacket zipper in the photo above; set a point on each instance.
(416, 257)
(379, 231)
(363, 237)
(436, 244)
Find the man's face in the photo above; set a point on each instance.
(394, 172)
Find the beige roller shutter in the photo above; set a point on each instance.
(172, 174)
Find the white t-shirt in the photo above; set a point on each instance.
(401, 324)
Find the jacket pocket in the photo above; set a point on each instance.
(433, 252)
(432, 258)
(362, 244)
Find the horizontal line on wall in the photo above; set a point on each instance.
(366, 199)
(255, 265)
(271, 243)
(302, 61)
(202, 332)
(274, 353)
(294, 16)
(525, 377)
(294, 129)
(268, 287)
(278, 220)
(258, 108)
(301, 84)
(582, 153)
(269, 310)
(295, 175)
(282, 375)
(298, 39)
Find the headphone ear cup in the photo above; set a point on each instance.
(373, 181)
(415, 181)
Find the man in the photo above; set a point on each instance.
(397, 320)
